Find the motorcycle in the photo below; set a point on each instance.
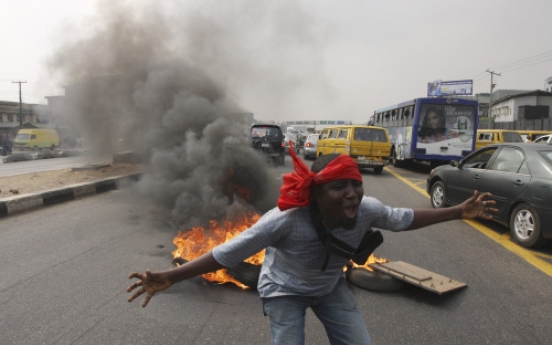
(5, 150)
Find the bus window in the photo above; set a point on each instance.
(333, 133)
(343, 133)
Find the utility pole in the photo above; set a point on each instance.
(491, 93)
(20, 103)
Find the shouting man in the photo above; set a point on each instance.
(323, 220)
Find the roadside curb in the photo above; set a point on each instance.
(27, 202)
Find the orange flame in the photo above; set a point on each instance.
(199, 240)
(372, 259)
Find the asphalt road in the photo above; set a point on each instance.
(64, 272)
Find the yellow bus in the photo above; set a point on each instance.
(369, 146)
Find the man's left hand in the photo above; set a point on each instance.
(478, 206)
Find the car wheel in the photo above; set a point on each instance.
(438, 195)
(378, 170)
(374, 281)
(525, 226)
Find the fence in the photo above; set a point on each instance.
(542, 124)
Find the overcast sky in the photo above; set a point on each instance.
(305, 60)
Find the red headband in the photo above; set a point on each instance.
(295, 192)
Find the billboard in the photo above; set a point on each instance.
(450, 88)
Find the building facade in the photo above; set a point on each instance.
(524, 110)
(14, 116)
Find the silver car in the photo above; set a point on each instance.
(545, 139)
(309, 148)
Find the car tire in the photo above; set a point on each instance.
(246, 273)
(525, 226)
(373, 281)
(378, 170)
(438, 195)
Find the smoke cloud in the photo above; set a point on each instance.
(170, 82)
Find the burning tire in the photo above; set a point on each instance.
(246, 273)
(374, 281)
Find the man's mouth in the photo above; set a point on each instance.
(350, 212)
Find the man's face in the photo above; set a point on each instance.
(339, 201)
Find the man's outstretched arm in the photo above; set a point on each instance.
(478, 206)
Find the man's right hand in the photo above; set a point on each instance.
(148, 282)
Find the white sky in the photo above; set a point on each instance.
(364, 54)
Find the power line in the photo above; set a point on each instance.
(530, 59)
(526, 65)
(516, 65)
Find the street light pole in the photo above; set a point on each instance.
(20, 103)
(491, 94)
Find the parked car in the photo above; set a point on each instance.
(269, 140)
(519, 175)
(545, 139)
(309, 148)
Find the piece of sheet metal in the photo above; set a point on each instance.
(418, 276)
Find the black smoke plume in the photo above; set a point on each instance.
(165, 82)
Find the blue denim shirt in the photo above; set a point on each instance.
(294, 253)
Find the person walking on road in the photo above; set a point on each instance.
(323, 220)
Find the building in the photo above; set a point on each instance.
(548, 84)
(523, 110)
(33, 115)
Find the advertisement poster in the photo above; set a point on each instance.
(446, 129)
(450, 88)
